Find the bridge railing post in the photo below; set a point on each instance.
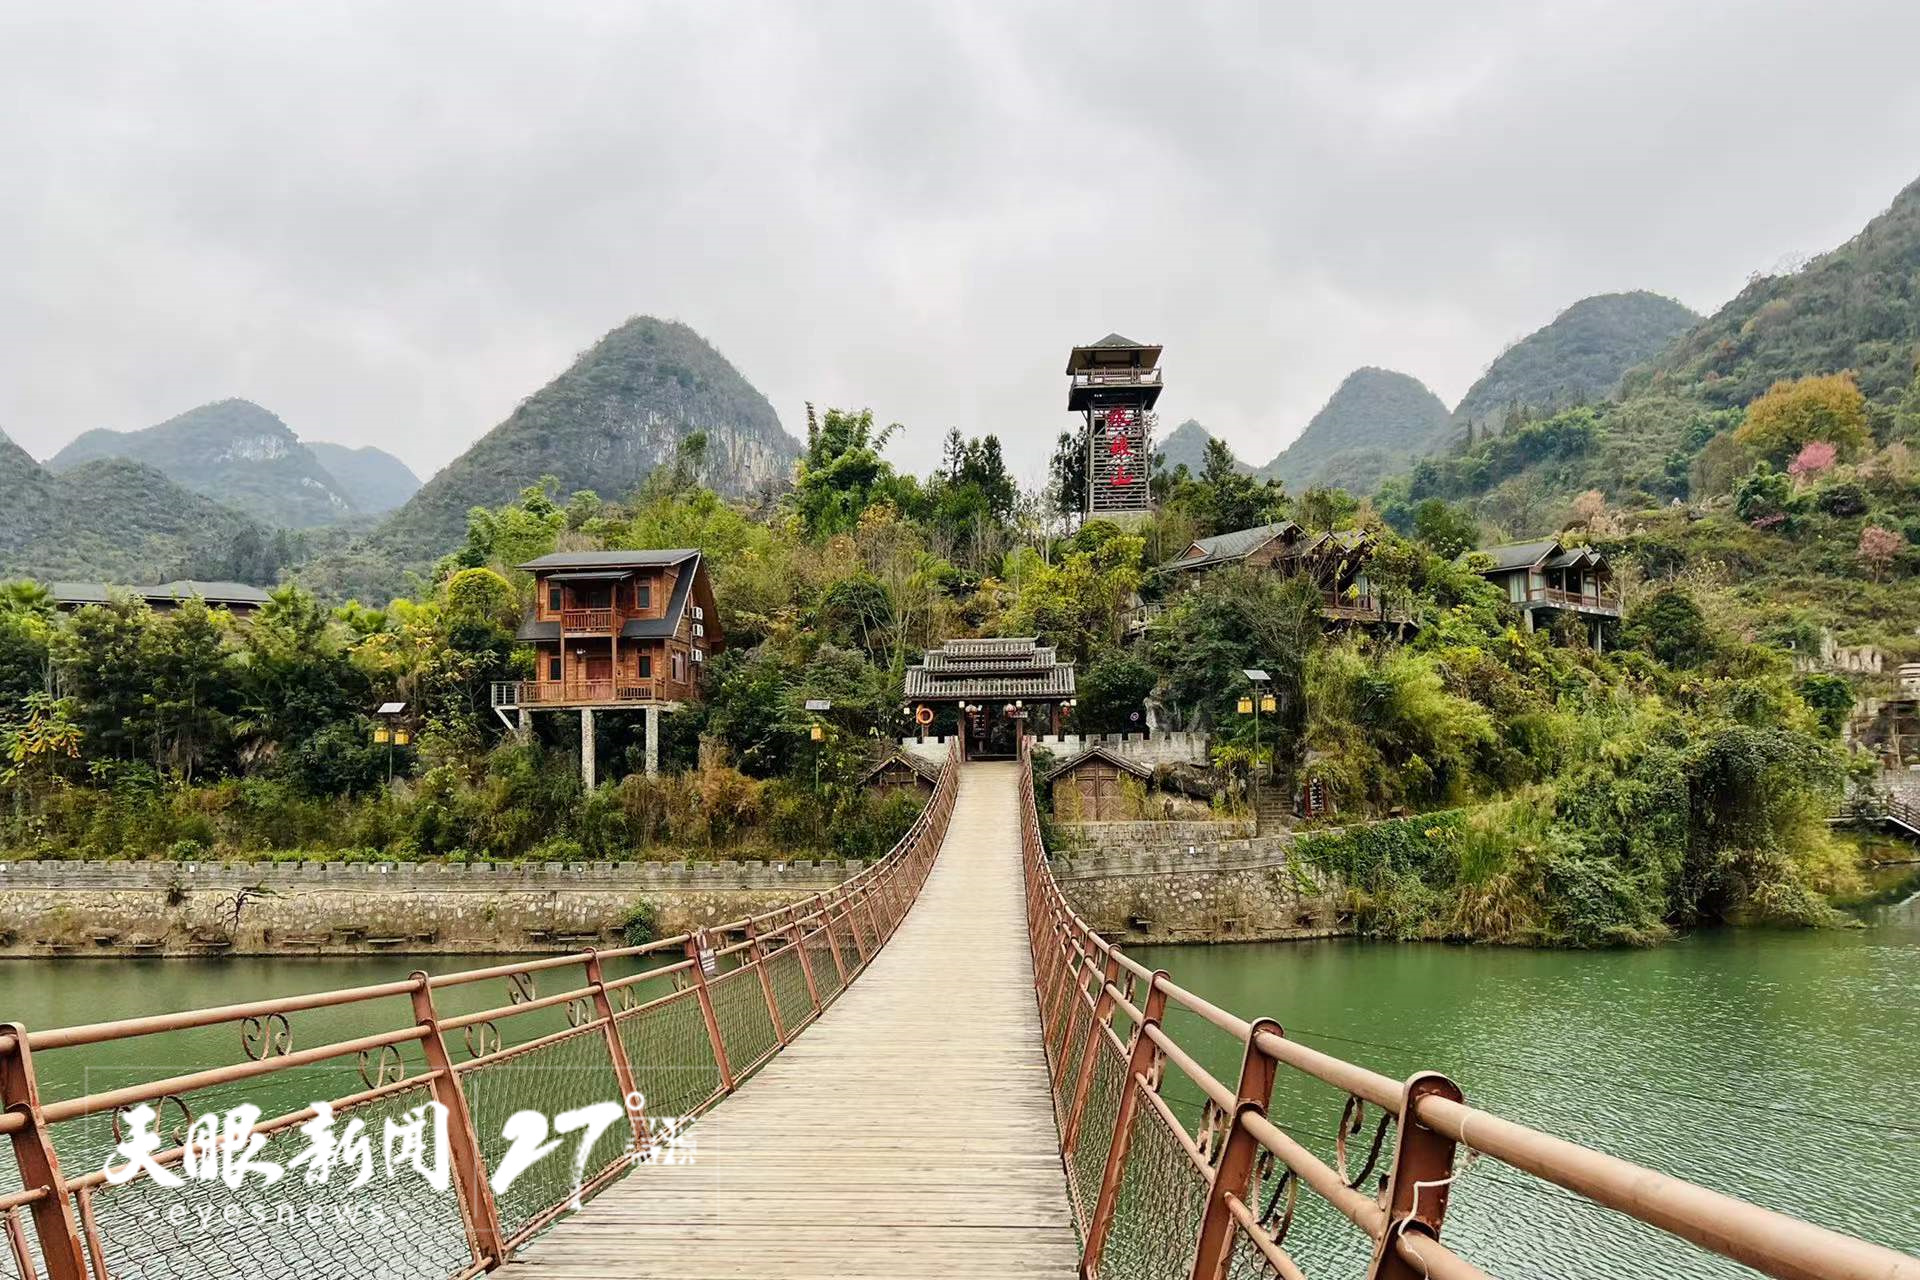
(797, 929)
(696, 947)
(1233, 1172)
(757, 954)
(1422, 1174)
(1140, 1067)
(622, 1069)
(825, 909)
(37, 1164)
(478, 1212)
(1096, 1035)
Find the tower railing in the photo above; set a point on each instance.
(1159, 1193)
(433, 1058)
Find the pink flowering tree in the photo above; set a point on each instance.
(1814, 457)
(1878, 547)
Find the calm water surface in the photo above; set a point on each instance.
(1777, 1066)
(1780, 1067)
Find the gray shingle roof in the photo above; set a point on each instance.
(1237, 545)
(215, 593)
(1519, 555)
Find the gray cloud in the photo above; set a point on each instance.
(388, 223)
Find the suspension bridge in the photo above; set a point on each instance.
(934, 1070)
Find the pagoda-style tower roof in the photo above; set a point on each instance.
(1114, 370)
(1001, 668)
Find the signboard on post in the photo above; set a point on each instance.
(709, 963)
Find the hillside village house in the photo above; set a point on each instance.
(1543, 578)
(1336, 562)
(614, 631)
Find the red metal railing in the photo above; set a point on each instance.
(1154, 1199)
(669, 1042)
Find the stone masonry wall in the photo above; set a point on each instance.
(212, 908)
(1243, 888)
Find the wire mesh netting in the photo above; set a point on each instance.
(1079, 1024)
(826, 974)
(1247, 1262)
(395, 1227)
(746, 1028)
(565, 1074)
(1162, 1195)
(671, 1055)
(1096, 1128)
(789, 983)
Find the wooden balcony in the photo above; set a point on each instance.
(589, 622)
(508, 694)
(1339, 606)
(1555, 598)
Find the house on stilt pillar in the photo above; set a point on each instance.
(614, 631)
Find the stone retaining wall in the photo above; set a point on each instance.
(238, 908)
(1244, 889)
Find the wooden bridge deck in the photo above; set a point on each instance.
(908, 1132)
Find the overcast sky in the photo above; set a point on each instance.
(390, 222)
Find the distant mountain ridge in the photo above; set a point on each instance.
(232, 451)
(374, 480)
(1376, 422)
(1580, 356)
(624, 407)
(1185, 445)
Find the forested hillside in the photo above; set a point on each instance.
(374, 480)
(232, 451)
(110, 520)
(1376, 423)
(627, 405)
(1578, 358)
(1770, 450)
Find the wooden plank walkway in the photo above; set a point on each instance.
(908, 1132)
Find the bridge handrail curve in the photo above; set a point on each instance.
(66, 1225)
(1240, 1155)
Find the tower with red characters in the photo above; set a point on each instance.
(1116, 382)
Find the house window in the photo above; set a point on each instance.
(643, 594)
(646, 666)
(553, 599)
(679, 667)
(553, 667)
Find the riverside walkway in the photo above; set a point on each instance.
(909, 1132)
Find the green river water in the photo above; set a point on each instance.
(1776, 1066)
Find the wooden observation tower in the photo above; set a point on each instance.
(1115, 383)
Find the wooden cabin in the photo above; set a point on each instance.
(616, 629)
(1336, 562)
(903, 771)
(1545, 578)
(1091, 787)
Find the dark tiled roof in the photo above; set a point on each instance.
(1115, 340)
(609, 559)
(532, 629)
(1133, 767)
(216, 593)
(1001, 667)
(925, 768)
(1519, 555)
